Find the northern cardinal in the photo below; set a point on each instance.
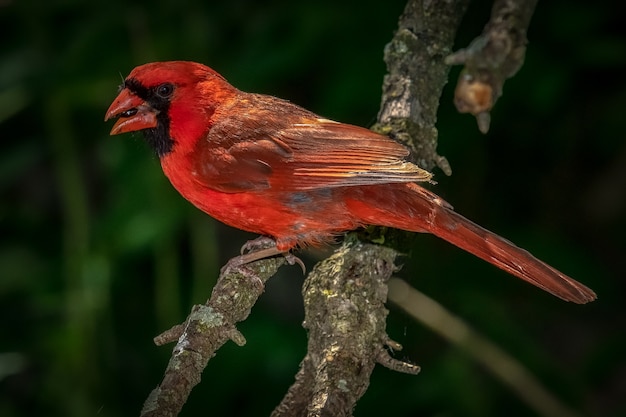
(265, 165)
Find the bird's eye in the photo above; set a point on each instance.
(165, 90)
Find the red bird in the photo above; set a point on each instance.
(265, 165)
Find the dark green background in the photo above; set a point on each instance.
(98, 253)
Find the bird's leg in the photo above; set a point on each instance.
(264, 247)
(260, 248)
(255, 255)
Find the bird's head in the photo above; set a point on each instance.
(170, 102)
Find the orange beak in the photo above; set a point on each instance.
(132, 112)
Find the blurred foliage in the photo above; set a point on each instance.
(98, 253)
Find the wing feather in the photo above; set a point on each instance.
(252, 148)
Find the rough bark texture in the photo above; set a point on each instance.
(416, 76)
(345, 317)
(206, 329)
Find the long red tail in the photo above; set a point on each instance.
(417, 209)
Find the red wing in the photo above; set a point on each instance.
(253, 149)
(331, 154)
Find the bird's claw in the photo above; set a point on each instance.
(292, 259)
(261, 242)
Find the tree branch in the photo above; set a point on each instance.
(345, 317)
(206, 329)
(496, 55)
(416, 76)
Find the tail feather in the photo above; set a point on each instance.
(502, 253)
(411, 207)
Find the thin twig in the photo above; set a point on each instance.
(493, 57)
(502, 365)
